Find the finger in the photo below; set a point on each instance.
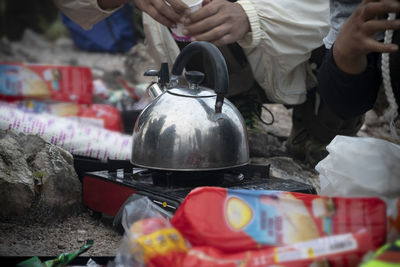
(374, 26)
(160, 18)
(179, 6)
(374, 9)
(224, 40)
(213, 35)
(379, 47)
(203, 25)
(165, 10)
(204, 12)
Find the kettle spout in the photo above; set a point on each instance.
(154, 90)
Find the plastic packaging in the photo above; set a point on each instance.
(149, 238)
(79, 139)
(60, 83)
(61, 260)
(364, 166)
(100, 115)
(386, 256)
(345, 250)
(238, 220)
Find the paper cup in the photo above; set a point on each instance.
(194, 5)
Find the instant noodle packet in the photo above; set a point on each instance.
(155, 242)
(39, 81)
(239, 220)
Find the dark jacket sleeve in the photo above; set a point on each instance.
(348, 95)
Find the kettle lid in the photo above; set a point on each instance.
(194, 78)
(188, 92)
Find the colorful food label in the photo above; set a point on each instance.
(61, 83)
(234, 220)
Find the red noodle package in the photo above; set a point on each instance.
(240, 220)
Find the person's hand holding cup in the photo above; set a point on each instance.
(193, 5)
(219, 22)
(166, 12)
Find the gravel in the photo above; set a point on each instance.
(69, 235)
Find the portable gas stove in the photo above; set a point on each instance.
(106, 191)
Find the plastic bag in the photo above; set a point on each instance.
(149, 238)
(364, 166)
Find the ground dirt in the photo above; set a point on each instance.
(18, 239)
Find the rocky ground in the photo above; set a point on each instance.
(52, 239)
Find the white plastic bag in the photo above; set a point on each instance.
(364, 166)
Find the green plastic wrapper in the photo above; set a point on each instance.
(61, 260)
(386, 256)
(31, 262)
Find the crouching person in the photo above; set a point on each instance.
(267, 45)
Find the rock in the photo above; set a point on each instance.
(37, 179)
(16, 178)
(282, 120)
(262, 144)
(287, 168)
(270, 142)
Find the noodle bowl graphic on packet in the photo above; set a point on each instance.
(238, 213)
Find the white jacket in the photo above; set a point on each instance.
(283, 34)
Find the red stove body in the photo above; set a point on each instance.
(103, 195)
(105, 191)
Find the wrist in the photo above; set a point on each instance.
(253, 36)
(349, 61)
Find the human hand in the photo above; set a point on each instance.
(219, 22)
(357, 36)
(167, 12)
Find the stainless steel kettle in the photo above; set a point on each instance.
(190, 128)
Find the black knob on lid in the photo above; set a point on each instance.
(194, 77)
(162, 74)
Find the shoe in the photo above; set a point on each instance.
(305, 147)
(301, 143)
(312, 131)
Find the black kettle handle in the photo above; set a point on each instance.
(220, 70)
